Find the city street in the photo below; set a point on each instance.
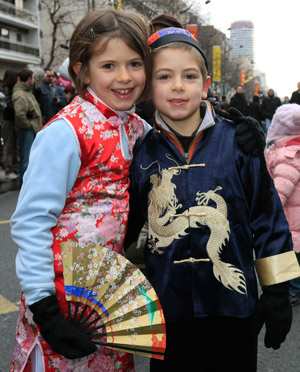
(286, 359)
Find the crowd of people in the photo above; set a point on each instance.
(28, 99)
(262, 107)
(198, 182)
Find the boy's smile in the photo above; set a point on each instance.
(117, 75)
(177, 88)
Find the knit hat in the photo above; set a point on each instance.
(173, 35)
(166, 20)
(285, 122)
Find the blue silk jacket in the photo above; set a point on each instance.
(206, 226)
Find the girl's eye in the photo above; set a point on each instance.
(163, 77)
(136, 64)
(108, 66)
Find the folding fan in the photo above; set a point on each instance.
(115, 303)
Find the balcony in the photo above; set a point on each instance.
(18, 52)
(19, 17)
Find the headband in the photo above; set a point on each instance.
(173, 35)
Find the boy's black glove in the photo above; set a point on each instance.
(62, 336)
(249, 133)
(274, 309)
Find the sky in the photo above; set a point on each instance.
(276, 33)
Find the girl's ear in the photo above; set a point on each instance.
(77, 67)
(206, 85)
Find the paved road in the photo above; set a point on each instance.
(286, 359)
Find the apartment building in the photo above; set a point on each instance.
(19, 34)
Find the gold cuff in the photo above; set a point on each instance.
(277, 269)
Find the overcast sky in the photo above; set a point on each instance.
(276, 30)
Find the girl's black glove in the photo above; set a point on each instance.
(274, 309)
(63, 337)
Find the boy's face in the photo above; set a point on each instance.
(177, 88)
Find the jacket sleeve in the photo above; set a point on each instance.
(53, 168)
(21, 109)
(286, 176)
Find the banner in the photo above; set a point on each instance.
(243, 75)
(119, 7)
(256, 89)
(193, 28)
(216, 63)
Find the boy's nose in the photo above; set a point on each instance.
(178, 84)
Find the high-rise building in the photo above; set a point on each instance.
(242, 40)
(19, 34)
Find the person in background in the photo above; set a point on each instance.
(38, 77)
(286, 99)
(268, 108)
(52, 100)
(239, 101)
(10, 143)
(70, 93)
(283, 160)
(296, 95)
(255, 109)
(209, 206)
(224, 104)
(28, 117)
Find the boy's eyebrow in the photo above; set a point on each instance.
(171, 69)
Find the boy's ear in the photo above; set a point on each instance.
(206, 85)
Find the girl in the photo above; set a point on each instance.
(76, 188)
(283, 161)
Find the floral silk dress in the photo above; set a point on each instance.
(95, 212)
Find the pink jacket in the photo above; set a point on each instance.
(283, 161)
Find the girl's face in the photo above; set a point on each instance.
(117, 75)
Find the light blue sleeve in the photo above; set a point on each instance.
(53, 167)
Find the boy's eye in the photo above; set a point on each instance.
(190, 76)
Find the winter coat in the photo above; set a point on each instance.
(283, 161)
(269, 106)
(205, 220)
(27, 111)
(239, 102)
(295, 97)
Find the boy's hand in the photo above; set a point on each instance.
(274, 309)
(62, 336)
(249, 133)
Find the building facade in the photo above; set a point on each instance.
(242, 40)
(19, 34)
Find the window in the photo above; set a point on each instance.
(4, 32)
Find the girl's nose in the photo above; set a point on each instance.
(124, 75)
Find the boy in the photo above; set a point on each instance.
(203, 199)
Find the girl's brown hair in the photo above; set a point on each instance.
(104, 25)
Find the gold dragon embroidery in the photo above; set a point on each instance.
(165, 225)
